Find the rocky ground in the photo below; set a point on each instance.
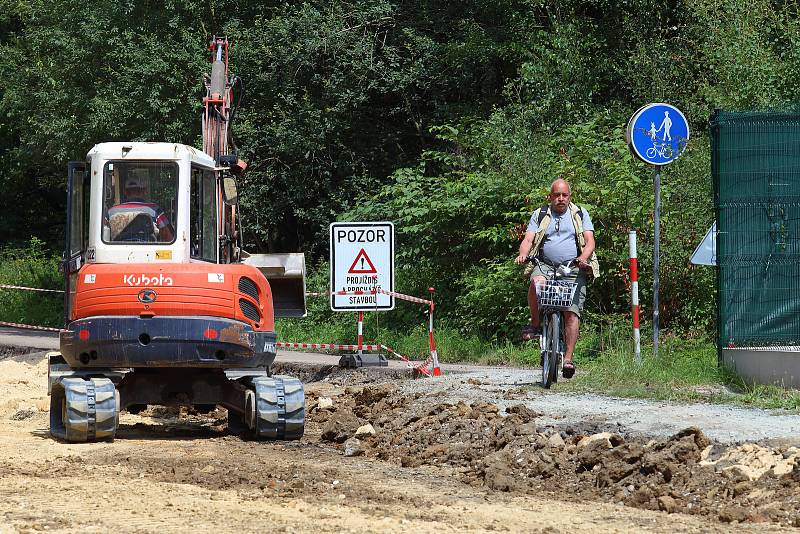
(685, 473)
(384, 452)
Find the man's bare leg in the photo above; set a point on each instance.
(533, 304)
(533, 300)
(572, 325)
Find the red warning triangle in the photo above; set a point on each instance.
(361, 267)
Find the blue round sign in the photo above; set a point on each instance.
(658, 133)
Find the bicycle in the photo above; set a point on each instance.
(663, 150)
(555, 296)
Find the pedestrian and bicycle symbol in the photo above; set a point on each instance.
(362, 263)
(658, 133)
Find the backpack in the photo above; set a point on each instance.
(544, 211)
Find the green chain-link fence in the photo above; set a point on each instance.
(756, 168)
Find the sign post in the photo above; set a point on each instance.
(362, 276)
(656, 255)
(658, 146)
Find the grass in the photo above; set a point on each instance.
(31, 266)
(686, 372)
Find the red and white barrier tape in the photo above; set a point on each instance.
(32, 327)
(408, 298)
(433, 358)
(7, 286)
(421, 367)
(400, 296)
(327, 346)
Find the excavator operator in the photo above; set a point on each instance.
(134, 208)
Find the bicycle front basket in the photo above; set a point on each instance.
(557, 294)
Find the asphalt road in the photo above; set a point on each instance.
(19, 337)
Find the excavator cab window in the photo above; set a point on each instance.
(140, 201)
(203, 214)
(78, 192)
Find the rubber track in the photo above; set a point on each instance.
(91, 412)
(280, 401)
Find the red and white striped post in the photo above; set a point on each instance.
(437, 371)
(360, 333)
(635, 296)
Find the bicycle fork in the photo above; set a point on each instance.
(544, 340)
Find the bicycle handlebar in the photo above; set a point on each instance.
(566, 265)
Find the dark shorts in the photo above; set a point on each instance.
(579, 299)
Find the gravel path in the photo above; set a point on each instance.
(508, 386)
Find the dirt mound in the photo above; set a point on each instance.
(684, 473)
(23, 383)
(333, 374)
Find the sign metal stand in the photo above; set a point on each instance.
(362, 262)
(657, 146)
(656, 255)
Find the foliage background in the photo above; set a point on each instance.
(449, 118)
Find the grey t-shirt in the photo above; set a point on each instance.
(559, 244)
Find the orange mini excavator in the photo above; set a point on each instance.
(162, 306)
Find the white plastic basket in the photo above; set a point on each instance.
(556, 293)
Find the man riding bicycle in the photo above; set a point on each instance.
(558, 233)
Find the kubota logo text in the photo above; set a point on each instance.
(144, 280)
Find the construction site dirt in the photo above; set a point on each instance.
(384, 452)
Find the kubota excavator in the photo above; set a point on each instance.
(162, 307)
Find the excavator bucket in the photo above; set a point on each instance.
(286, 274)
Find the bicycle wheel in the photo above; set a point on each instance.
(544, 347)
(550, 351)
(555, 346)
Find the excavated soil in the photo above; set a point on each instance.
(376, 457)
(685, 473)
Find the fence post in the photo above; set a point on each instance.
(437, 371)
(635, 296)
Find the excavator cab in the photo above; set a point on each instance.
(167, 203)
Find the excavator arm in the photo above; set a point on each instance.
(285, 272)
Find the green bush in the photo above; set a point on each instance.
(36, 267)
(461, 214)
